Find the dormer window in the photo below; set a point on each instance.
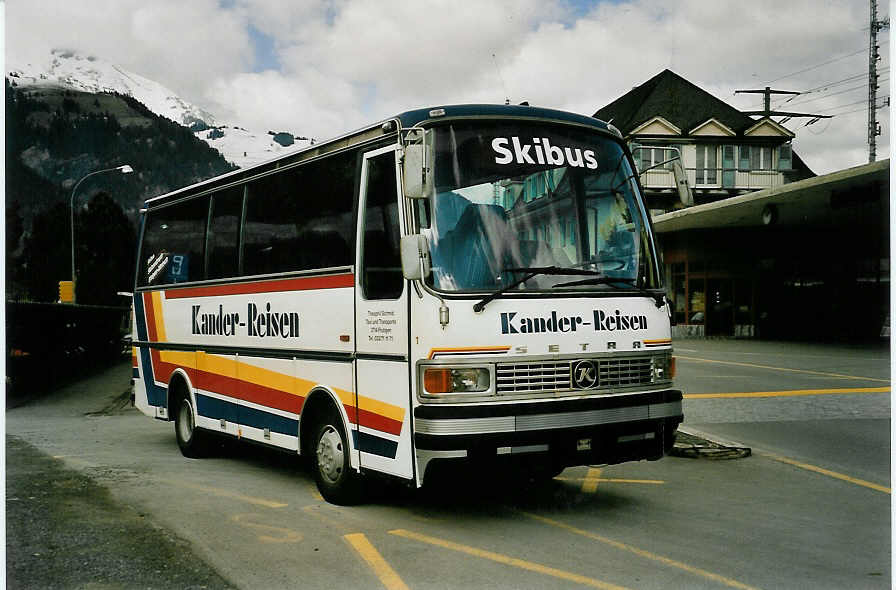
(761, 158)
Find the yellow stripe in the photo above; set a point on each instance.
(803, 371)
(642, 553)
(507, 560)
(434, 351)
(380, 407)
(376, 562)
(787, 393)
(829, 473)
(656, 482)
(663, 341)
(589, 486)
(226, 494)
(275, 380)
(161, 336)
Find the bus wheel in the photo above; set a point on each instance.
(191, 440)
(337, 482)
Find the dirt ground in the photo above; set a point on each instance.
(65, 531)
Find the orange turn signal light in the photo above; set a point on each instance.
(437, 380)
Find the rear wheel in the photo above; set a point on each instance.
(193, 442)
(336, 480)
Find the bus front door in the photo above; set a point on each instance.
(383, 430)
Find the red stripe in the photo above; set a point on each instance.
(266, 396)
(231, 387)
(273, 286)
(377, 422)
(150, 317)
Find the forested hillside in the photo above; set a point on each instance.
(55, 137)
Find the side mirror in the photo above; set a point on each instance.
(417, 173)
(414, 257)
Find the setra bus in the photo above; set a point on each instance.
(464, 283)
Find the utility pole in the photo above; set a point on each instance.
(768, 112)
(873, 58)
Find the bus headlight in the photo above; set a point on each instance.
(456, 380)
(662, 368)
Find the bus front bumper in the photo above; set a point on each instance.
(599, 430)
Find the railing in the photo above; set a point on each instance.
(715, 178)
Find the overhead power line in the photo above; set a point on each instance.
(853, 89)
(855, 103)
(827, 86)
(816, 66)
(886, 105)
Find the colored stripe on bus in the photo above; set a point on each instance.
(271, 286)
(244, 381)
(155, 395)
(217, 409)
(369, 443)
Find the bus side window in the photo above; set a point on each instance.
(174, 243)
(224, 233)
(299, 219)
(381, 276)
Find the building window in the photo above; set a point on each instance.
(743, 163)
(761, 158)
(707, 164)
(647, 157)
(785, 157)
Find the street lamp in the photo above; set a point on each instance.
(124, 169)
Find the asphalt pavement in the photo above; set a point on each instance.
(113, 505)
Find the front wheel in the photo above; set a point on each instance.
(192, 441)
(337, 482)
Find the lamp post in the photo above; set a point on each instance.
(124, 169)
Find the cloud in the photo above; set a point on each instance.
(347, 62)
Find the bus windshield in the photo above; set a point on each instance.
(511, 198)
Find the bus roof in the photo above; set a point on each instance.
(431, 114)
(375, 132)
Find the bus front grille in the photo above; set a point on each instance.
(535, 377)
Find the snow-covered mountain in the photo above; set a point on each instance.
(72, 70)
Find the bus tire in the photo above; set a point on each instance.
(337, 482)
(193, 442)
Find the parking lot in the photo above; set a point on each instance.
(810, 507)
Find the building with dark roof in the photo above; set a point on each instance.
(723, 152)
(756, 245)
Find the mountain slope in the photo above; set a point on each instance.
(69, 70)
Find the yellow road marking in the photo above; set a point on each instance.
(276, 534)
(642, 553)
(226, 494)
(614, 480)
(787, 393)
(507, 560)
(376, 562)
(804, 371)
(829, 473)
(589, 486)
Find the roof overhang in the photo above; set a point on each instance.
(797, 203)
(706, 128)
(768, 124)
(655, 126)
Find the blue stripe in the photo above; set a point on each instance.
(155, 395)
(374, 445)
(216, 409)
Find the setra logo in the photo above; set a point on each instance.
(584, 374)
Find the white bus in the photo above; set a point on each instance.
(465, 283)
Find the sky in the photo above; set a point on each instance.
(320, 68)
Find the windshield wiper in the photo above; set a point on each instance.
(658, 297)
(531, 271)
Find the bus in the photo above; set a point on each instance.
(468, 283)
